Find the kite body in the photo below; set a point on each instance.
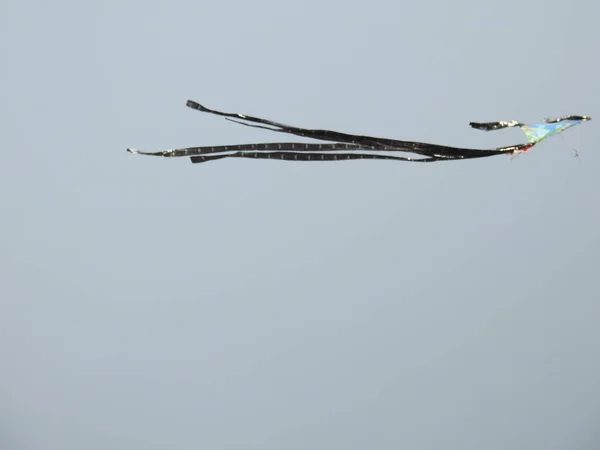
(350, 146)
(539, 131)
(535, 132)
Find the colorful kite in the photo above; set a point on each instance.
(351, 146)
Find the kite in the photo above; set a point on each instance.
(351, 146)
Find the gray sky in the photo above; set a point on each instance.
(155, 304)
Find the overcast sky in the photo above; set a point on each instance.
(150, 303)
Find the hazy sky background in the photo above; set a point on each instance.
(152, 304)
